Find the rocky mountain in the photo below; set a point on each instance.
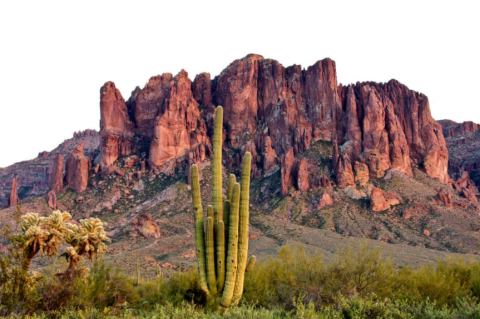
(330, 162)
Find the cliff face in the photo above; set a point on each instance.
(277, 113)
(389, 126)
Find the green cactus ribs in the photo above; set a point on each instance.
(222, 242)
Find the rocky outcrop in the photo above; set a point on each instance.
(380, 200)
(342, 167)
(116, 128)
(269, 156)
(396, 129)
(262, 98)
(13, 200)
(202, 90)
(444, 198)
(52, 199)
(56, 178)
(147, 103)
(469, 195)
(324, 200)
(303, 176)
(361, 173)
(146, 226)
(287, 166)
(35, 175)
(180, 129)
(76, 171)
(464, 182)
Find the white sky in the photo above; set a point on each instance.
(55, 55)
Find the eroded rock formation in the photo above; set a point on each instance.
(180, 129)
(52, 199)
(35, 175)
(76, 171)
(13, 200)
(396, 129)
(56, 178)
(116, 129)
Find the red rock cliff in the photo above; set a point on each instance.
(273, 111)
(389, 126)
(116, 129)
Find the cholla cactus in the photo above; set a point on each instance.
(43, 234)
(47, 234)
(87, 239)
(57, 229)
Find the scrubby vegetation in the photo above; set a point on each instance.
(360, 283)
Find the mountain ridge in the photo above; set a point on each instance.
(365, 160)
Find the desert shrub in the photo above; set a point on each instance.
(184, 287)
(105, 287)
(278, 281)
(444, 284)
(293, 274)
(17, 293)
(360, 270)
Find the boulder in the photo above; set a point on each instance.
(378, 201)
(146, 226)
(131, 161)
(324, 200)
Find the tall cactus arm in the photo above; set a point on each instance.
(217, 166)
(243, 228)
(210, 248)
(220, 247)
(231, 181)
(231, 261)
(226, 218)
(210, 211)
(196, 195)
(199, 229)
(226, 214)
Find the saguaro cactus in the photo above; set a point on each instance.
(222, 244)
